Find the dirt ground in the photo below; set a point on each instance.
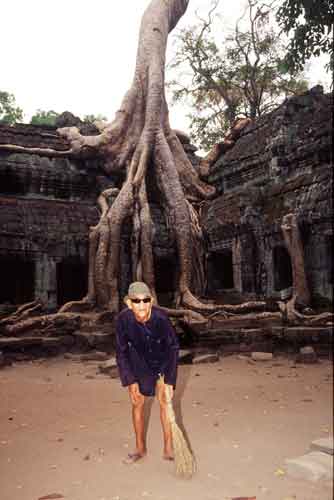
(64, 430)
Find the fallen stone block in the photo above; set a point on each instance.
(309, 334)
(325, 445)
(3, 361)
(206, 358)
(95, 356)
(307, 355)
(99, 339)
(109, 367)
(88, 356)
(52, 342)
(72, 357)
(185, 357)
(262, 356)
(229, 349)
(312, 467)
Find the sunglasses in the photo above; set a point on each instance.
(137, 301)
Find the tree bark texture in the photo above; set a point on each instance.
(139, 143)
(139, 137)
(295, 248)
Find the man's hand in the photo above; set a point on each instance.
(135, 394)
(165, 392)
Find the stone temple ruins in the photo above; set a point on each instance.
(281, 164)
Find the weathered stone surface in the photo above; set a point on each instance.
(206, 358)
(309, 333)
(306, 350)
(307, 355)
(262, 356)
(281, 163)
(12, 343)
(18, 342)
(100, 341)
(325, 445)
(2, 360)
(185, 357)
(89, 356)
(313, 466)
(109, 367)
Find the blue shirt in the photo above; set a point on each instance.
(146, 350)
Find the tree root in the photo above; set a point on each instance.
(23, 312)
(294, 317)
(186, 315)
(42, 323)
(77, 306)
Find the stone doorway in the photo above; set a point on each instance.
(329, 258)
(12, 183)
(220, 271)
(165, 284)
(282, 268)
(72, 280)
(17, 281)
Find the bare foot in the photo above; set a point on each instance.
(133, 458)
(168, 457)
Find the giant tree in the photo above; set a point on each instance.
(139, 136)
(137, 144)
(140, 142)
(238, 73)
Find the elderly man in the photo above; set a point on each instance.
(146, 347)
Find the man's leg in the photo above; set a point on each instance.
(166, 426)
(138, 419)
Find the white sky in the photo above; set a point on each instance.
(79, 55)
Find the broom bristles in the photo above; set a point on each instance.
(185, 465)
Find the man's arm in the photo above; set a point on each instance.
(122, 355)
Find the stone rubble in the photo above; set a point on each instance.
(315, 465)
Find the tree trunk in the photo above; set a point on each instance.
(294, 246)
(141, 136)
(301, 293)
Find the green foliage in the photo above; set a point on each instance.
(10, 113)
(44, 118)
(245, 75)
(309, 23)
(94, 118)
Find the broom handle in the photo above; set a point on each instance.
(168, 393)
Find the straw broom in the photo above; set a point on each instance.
(184, 461)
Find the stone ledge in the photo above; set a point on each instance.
(325, 445)
(312, 467)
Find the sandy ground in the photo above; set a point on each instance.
(64, 431)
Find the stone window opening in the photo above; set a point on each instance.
(17, 280)
(72, 280)
(282, 269)
(11, 183)
(220, 269)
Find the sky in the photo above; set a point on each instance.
(79, 55)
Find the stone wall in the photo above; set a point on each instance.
(281, 164)
(46, 207)
(47, 204)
